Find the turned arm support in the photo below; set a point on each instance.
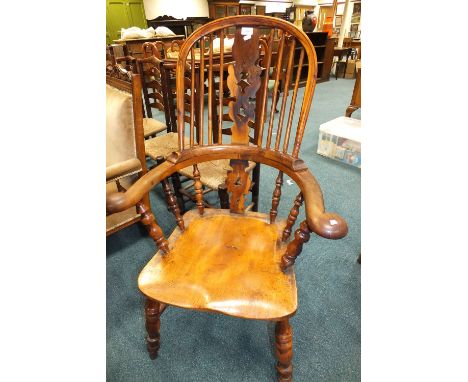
(326, 224)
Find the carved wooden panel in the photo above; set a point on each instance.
(243, 82)
(238, 184)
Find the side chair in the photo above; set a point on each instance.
(232, 261)
(125, 153)
(120, 56)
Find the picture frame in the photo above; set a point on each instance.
(338, 20)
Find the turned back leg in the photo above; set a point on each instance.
(283, 350)
(152, 315)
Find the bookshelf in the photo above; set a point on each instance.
(324, 50)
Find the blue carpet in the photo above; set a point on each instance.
(209, 347)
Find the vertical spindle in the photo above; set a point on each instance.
(292, 217)
(221, 86)
(275, 88)
(198, 189)
(201, 95)
(293, 102)
(285, 92)
(210, 93)
(276, 197)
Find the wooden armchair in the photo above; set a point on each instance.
(125, 155)
(236, 262)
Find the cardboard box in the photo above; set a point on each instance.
(340, 139)
(350, 69)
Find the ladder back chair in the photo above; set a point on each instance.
(236, 262)
(125, 154)
(153, 93)
(120, 56)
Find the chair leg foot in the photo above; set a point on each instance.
(152, 327)
(283, 350)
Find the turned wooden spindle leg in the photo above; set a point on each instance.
(276, 197)
(177, 186)
(292, 216)
(152, 321)
(172, 203)
(283, 350)
(198, 190)
(154, 230)
(294, 248)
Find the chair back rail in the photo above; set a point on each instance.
(245, 75)
(248, 77)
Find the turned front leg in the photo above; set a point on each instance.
(283, 350)
(152, 321)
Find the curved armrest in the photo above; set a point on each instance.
(326, 224)
(120, 201)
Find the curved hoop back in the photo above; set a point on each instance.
(265, 52)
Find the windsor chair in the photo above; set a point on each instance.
(236, 262)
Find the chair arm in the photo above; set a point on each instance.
(326, 224)
(120, 201)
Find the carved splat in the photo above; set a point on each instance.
(283, 350)
(238, 184)
(276, 197)
(292, 216)
(198, 189)
(154, 230)
(243, 82)
(301, 236)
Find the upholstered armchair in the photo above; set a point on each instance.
(125, 152)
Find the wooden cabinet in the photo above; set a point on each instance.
(220, 9)
(123, 14)
(324, 50)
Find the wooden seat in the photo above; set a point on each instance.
(235, 262)
(233, 270)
